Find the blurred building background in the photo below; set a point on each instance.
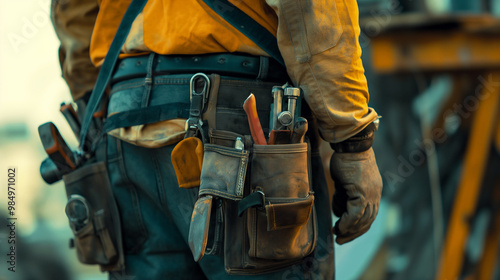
(430, 95)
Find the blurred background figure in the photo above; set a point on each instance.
(432, 69)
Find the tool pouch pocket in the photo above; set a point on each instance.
(284, 227)
(264, 215)
(93, 217)
(282, 230)
(222, 179)
(223, 172)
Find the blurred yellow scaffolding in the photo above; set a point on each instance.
(456, 45)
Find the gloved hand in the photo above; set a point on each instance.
(358, 187)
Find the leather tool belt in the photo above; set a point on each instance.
(255, 205)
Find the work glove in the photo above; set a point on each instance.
(358, 187)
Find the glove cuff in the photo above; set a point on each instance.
(358, 143)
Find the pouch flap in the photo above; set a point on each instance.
(288, 215)
(223, 173)
(198, 229)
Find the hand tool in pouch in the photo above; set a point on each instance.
(292, 93)
(277, 104)
(71, 117)
(250, 107)
(73, 120)
(59, 153)
(285, 125)
(299, 130)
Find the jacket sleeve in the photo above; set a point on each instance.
(73, 22)
(319, 43)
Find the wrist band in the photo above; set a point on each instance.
(357, 143)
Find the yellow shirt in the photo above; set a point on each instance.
(318, 40)
(178, 27)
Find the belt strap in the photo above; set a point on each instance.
(225, 64)
(109, 63)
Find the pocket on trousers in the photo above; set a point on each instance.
(127, 199)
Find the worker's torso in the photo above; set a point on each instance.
(179, 27)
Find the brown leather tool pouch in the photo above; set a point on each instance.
(93, 217)
(267, 218)
(283, 230)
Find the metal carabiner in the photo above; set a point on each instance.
(198, 101)
(205, 90)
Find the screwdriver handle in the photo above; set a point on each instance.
(250, 107)
(71, 117)
(56, 147)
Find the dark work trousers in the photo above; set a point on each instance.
(156, 213)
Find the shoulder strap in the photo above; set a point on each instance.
(109, 63)
(248, 26)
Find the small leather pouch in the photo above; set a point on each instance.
(93, 217)
(222, 177)
(267, 220)
(223, 173)
(283, 229)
